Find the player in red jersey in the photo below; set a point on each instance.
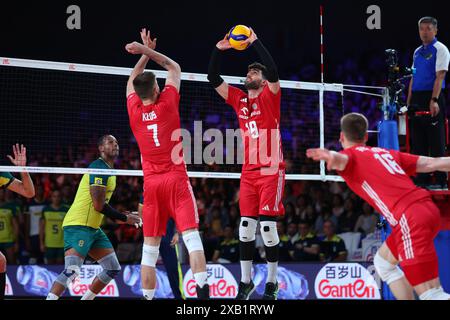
(381, 178)
(154, 117)
(262, 180)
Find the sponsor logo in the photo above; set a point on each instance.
(98, 181)
(221, 282)
(6, 61)
(244, 100)
(255, 113)
(346, 281)
(244, 110)
(266, 208)
(81, 284)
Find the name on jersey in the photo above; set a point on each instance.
(149, 116)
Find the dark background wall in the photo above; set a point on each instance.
(188, 30)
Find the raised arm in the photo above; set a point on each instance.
(273, 80)
(24, 186)
(173, 68)
(142, 63)
(334, 160)
(214, 68)
(427, 164)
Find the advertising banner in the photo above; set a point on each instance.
(296, 281)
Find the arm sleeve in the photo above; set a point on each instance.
(214, 68)
(407, 161)
(349, 167)
(133, 101)
(267, 60)
(442, 58)
(6, 179)
(98, 180)
(169, 98)
(234, 97)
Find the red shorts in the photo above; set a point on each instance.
(168, 195)
(261, 195)
(412, 242)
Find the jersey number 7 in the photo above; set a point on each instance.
(154, 128)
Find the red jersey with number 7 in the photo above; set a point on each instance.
(381, 178)
(153, 126)
(259, 121)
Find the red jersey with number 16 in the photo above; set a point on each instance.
(152, 126)
(259, 121)
(381, 178)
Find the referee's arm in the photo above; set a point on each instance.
(434, 106)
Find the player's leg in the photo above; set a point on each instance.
(72, 265)
(420, 224)
(270, 208)
(150, 252)
(154, 219)
(387, 268)
(171, 263)
(77, 243)
(185, 214)
(2, 276)
(103, 252)
(248, 205)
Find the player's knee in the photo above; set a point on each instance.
(247, 229)
(111, 268)
(386, 270)
(193, 241)
(149, 255)
(71, 271)
(435, 294)
(269, 233)
(2, 263)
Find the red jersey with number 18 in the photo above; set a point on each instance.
(259, 121)
(153, 126)
(381, 178)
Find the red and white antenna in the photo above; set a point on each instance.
(321, 45)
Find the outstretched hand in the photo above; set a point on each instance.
(318, 154)
(20, 155)
(252, 37)
(224, 44)
(135, 48)
(147, 40)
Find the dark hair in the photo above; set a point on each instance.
(144, 84)
(102, 139)
(354, 126)
(305, 222)
(431, 20)
(258, 66)
(331, 222)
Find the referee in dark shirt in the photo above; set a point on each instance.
(431, 61)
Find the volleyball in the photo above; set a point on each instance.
(237, 35)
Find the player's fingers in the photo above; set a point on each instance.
(10, 158)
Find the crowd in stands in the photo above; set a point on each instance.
(316, 212)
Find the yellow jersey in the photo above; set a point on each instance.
(82, 211)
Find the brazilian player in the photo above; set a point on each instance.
(23, 187)
(51, 232)
(81, 226)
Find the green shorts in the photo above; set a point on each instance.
(83, 239)
(54, 253)
(6, 245)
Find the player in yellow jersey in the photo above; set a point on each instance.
(82, 233)
(51, 232)
(23, 187)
